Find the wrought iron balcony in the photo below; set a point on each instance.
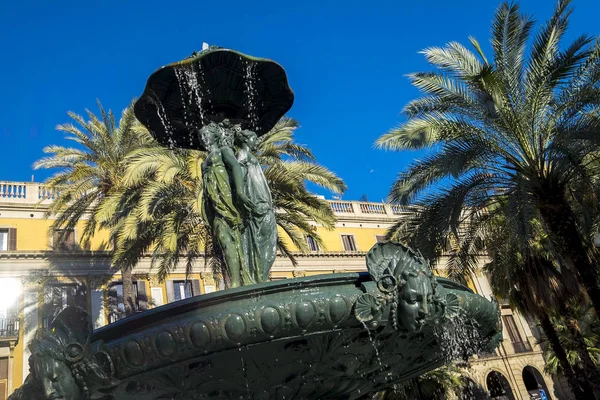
(9, 327)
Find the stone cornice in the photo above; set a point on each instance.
(66, 255)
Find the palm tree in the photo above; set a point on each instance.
(518, 130)
(534, 284)
(158, 209)
(89, 172)
(523, 273)
(590, 328)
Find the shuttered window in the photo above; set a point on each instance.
(312, 243)
(511, 327)
(8, 239)
(63, 239)
(116, 303)
(349, 243)
(181, 289)
(519, 345)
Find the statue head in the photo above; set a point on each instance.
(248, 138)
(415, 295)
(226, 133)
(404, 282)
(52, 372)
(62, 361)
(208, 135)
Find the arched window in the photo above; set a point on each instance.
(498, 386)
(534, 382)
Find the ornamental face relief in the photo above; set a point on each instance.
(414, 302)
(56, 379)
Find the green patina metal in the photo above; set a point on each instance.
(210, 86)
(342, 336)
(211, 101)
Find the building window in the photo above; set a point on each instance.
(3, 239)
(63, 239)
(312, 243)
(116, 304)
(182, 289)
(349, 243)
(380, 238)
(57, 297)
(8, 239)
(519, 345)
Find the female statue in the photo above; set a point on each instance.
(259, 236)
(223, 184)
(63, 365)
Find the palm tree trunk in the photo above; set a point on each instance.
(128, 295)
(580, 387)
(560, 219)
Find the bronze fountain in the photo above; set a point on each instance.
(341, 336)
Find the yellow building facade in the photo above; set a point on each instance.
(38, 278)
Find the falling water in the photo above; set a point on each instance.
(194, 94)
(373, 343)
(245, 375)
(190, 83)
(181, 81)
(162, 115)
(251, 94)
(457, 338)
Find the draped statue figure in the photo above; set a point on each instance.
(259, 234)
(224, 200)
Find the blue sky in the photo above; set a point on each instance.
(345, 60)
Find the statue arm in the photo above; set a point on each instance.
(237, 175)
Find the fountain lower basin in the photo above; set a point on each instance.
(293, 339)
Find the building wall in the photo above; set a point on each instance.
(33, 233)
(37, 266)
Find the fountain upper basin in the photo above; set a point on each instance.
(209, 86)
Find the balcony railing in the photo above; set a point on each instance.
(522, 347)
(25, 193)
(344, 207)
(372, 208)
(9, 327)
(36, 193)
(361, 208)
(396, 209)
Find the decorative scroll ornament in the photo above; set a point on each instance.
(368, 307)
